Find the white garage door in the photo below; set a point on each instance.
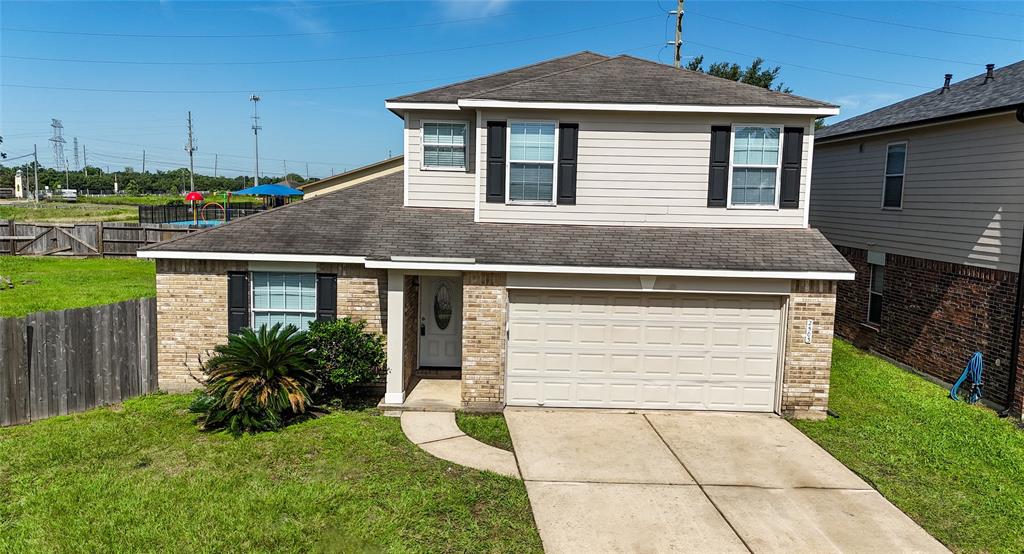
(643, 350)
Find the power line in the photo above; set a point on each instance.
(831, 42)
(903, 25)
(336, 59)
(829, 71)
(255, 35)
(972, 9)
(233, 91)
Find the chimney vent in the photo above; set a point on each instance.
(989, 72)
(945, 86)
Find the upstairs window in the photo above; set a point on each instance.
(895, 166)
(876, 289)
(444, 145)
(286, 298)
(754, 180)
(531, 162)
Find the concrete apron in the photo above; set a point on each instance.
(696, 482)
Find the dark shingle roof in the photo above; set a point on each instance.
(368, 220)
(968, 97)
(466, 89)
(592, 78)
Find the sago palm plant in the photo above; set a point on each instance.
(257, 380)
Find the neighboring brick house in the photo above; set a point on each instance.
(588, 231)
(925, 198)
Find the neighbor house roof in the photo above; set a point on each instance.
(592, 78)
(355, 176)
(970, 97)
(368, 220)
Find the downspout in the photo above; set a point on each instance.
(1018, 306)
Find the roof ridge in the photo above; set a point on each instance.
(496, 73)
(545, 76)
(724, 79)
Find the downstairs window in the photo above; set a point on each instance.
(286, 298)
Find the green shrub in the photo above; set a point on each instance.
(345, 355)
(257, 381)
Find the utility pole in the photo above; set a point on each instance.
(35, 170)
(85, 161)
(143, 161)
(214, 165)
(77, 167)
(307, 171)
(191, 148)
(679, 31)
(256, 136)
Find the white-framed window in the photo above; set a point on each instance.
(876, 289)
(283, 297)
(444, 145)
(895, 167)
(531, 151)
(754, 166)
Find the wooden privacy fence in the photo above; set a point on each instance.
(61, 362)
(82, 239)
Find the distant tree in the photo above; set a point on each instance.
(754, 74)
(820, 123)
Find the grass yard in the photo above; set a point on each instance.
(124, 200)
(957, 470)
(486, 428)
(52, 283)
(141, 478)
(59, 212)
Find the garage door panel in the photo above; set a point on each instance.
(649, 350)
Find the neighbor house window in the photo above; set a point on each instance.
(875, 290)
(531, 161)
(287, 298)
(895, 165)
(444, 145)
(755, 166)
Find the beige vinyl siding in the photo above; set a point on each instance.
(644, 169)
(963, 193)
(440, 188)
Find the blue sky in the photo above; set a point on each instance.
(391, 48)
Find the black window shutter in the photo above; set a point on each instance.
(496, 161)
(792, 159)
(568, 141)
(326, 296)
(718, 174)
(238, 301)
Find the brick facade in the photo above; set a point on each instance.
(192, 311)
(807, 366)
(191, 317)
(935, 315)
(484, 311)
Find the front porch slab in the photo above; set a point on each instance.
(428, 395)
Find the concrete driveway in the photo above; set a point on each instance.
(696, 482)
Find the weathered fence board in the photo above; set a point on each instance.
(83, 239)
(61, 362)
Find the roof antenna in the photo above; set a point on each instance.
(989, 73)
(945, 86)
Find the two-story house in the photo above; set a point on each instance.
(925, 198)
(588, 231)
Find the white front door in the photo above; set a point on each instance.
(643, 350)
(440, 321)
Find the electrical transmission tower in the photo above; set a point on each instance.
(58, 144)
(77, 167)
(190, 147)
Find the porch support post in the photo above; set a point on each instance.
(395, 391)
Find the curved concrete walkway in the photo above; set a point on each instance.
(438, 434)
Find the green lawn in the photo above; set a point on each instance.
(486, 428)
(59, 212)
(124, 200)
(957, 470)
(52, 283)
(141, 478)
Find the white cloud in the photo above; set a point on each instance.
(471, 8)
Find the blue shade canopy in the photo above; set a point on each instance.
(269, 190)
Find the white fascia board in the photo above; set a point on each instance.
(680, 108)
(249, 257)
(421, 106)
(512, 268)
